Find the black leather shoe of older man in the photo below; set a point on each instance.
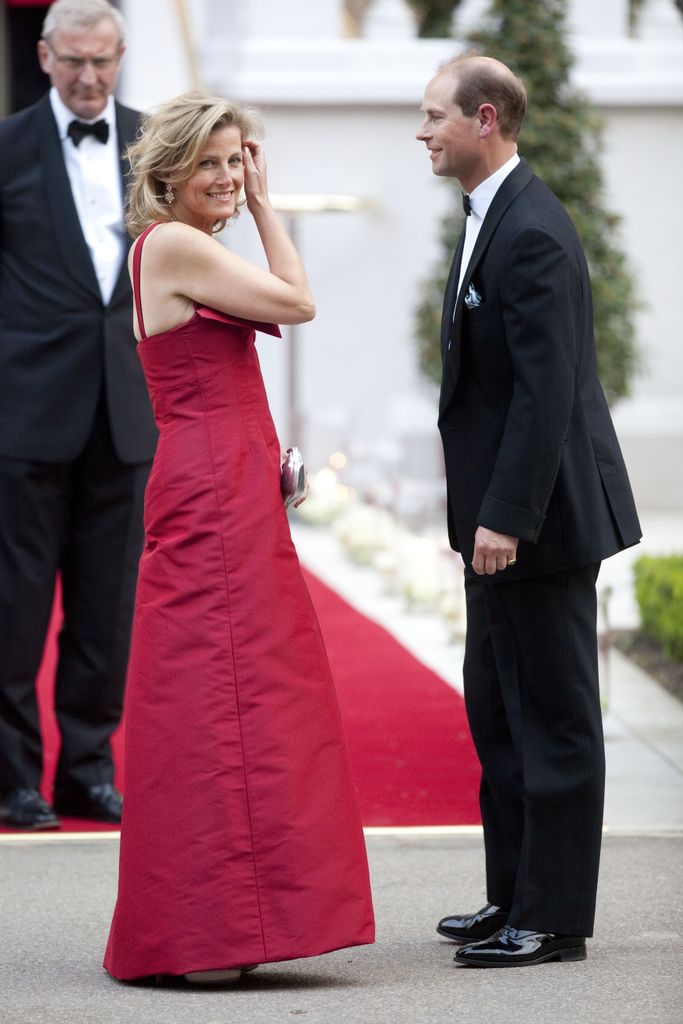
(473, 927)
(25, 808)
(102, 802)
(513, 947)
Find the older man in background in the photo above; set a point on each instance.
(76, 430)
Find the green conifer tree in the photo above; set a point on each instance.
(434, 16)
(560, 139)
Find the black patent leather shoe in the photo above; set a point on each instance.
(102, 802)
(513, 947)
(473, 927)
(25, 808)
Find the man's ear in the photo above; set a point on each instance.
(44, 56)
(487, 116)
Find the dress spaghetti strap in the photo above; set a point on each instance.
(137, 256)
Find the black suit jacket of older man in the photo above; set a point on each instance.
(59, 343)
(530, 449)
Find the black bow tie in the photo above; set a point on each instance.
(466, 204)
(77, 130)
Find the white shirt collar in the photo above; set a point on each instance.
(481, 197)
(64, 116)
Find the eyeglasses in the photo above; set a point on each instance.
(78, 63)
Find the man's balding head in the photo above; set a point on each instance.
(477, 80)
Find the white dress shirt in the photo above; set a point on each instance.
(480, 199)
(94, 171)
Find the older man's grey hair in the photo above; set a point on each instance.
(79, 15)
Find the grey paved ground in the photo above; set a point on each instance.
(56, 900)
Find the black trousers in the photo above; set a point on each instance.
(533, 703)
(82, 519)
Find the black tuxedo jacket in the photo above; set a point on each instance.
(529, 444)
(59, 344)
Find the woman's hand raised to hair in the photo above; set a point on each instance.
(255, 183)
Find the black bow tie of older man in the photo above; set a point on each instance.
(466, 204)
(77, 131)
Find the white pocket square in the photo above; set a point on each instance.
(472, 297)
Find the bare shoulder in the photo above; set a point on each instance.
(172, 237)
(168, 246)
(171, 232)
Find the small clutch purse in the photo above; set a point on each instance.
(292, 477)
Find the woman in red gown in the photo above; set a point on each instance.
(241, 842)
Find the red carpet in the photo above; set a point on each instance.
(412, 756)
(411, 751)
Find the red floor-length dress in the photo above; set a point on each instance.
(241, 841)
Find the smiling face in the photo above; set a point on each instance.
(210, 193)
(453, 140)
(83, 66)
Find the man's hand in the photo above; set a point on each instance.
(493, 551)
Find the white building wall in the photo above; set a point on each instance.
(341, 117)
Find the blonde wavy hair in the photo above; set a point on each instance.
(167, 147)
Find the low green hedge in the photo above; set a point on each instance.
(659, 593)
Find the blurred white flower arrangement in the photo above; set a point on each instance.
(327, 494)
(419, 568)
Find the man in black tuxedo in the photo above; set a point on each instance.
(76, 430)
(538, 495)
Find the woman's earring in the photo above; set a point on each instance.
(169, 194)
